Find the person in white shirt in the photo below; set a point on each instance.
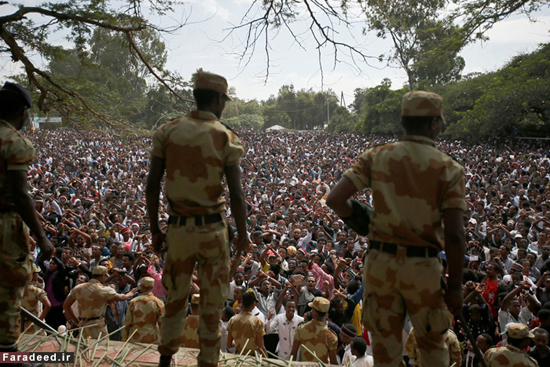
(285, 325)
(359, 349)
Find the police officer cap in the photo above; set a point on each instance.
(420, 103)
(215, 82)
(148, 282)
(99, 270)
(16, 89)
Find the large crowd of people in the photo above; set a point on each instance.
(89, 191)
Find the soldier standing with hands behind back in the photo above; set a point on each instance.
(17, 214)
(196, 151)
(418, 194)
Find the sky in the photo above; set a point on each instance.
(206, 41)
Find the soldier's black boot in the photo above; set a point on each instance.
(13, 349)
(165, 361)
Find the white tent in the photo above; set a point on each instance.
(276, 127)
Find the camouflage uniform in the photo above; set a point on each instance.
(245, 327)
(143, 315)
(318, 338)
(190, 335)
(16, 153)
(455, 353)
(509, 355)
(196, 149)
(92, 300)
(412, 183)
(31, 297)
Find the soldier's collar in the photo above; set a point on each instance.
(419, 139)
(511, 347)
(8, 124)
(202, 115)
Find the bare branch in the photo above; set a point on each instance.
(151, 70)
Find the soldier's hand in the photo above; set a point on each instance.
(242, 243)
(158, 242)
(46, 249)
(453, 299)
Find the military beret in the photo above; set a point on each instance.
(16, 89)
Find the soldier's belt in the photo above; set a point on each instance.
(90, 319)
(412, 251)
(199, 220)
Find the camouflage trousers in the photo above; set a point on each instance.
(15, 273)
(94, 328)
(207, 246)
(396, 285)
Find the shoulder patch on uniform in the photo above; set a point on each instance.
(233, 131)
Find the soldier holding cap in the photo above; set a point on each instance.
(143, 315)
(17, 212)
(190, 335)
(316, 336)
(196, 151)
(418, 196)
(92, 300)
(519, 338)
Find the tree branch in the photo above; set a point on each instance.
(20, 15)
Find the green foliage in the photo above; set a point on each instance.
(300, 110)
(381, 110)
(342, 121)
(425, 45)
(518, 95)
(245, 121)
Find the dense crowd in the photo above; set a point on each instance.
(90, 193)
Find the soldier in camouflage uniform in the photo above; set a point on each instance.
(31, 297)
(196, 151)
(17, 213)
(246, 329)
(190, 335)
(143, 315)
(418, 194)
(316, 336)
(450, 340)
(92, 300)
(512, 355)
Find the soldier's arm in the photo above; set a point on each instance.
(229, 340)
(152, 191)
(332, 356)
(454, 250)
(338, 199)
(295, 347)
(24, 206)
(46, 307)
(125, 297)
(69, 314)
(238, 204)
